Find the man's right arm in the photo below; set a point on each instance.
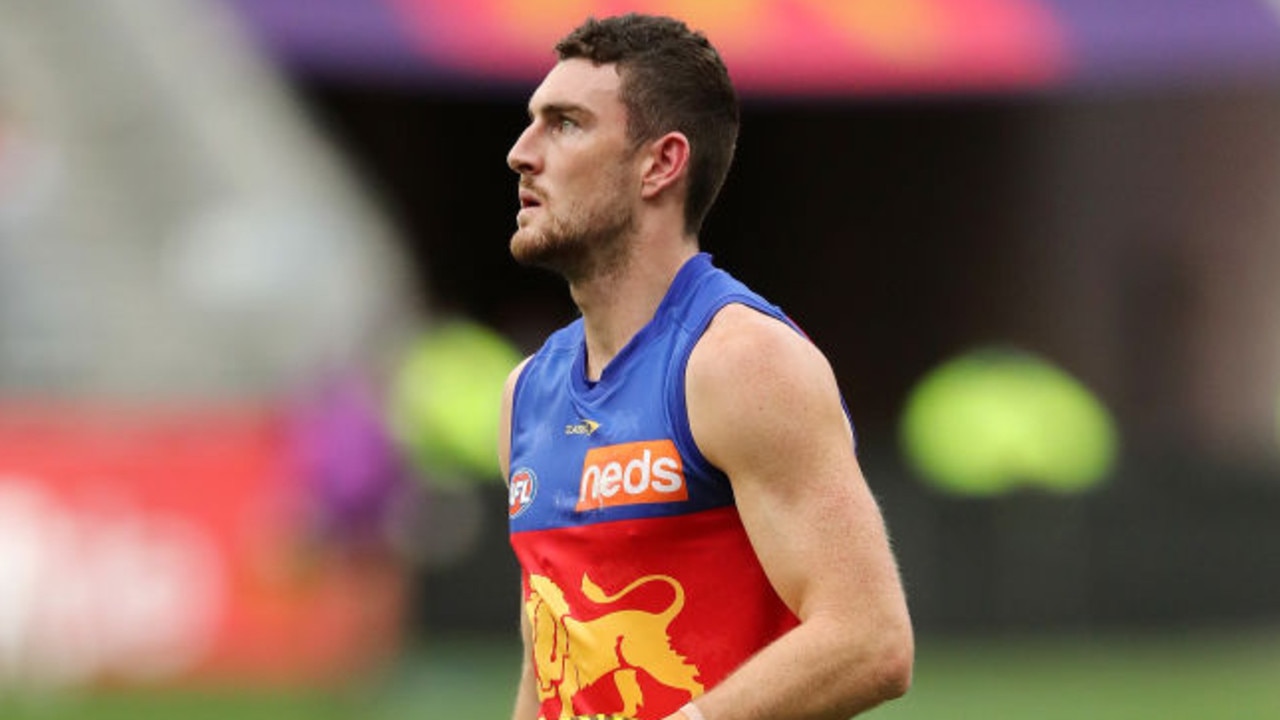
(504, 419)
(526, 704)
(527, 691)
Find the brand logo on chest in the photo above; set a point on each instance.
(635, 473)
(586, 427)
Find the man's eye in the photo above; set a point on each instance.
(566, 124)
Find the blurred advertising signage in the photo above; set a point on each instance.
(773, 46)
(172, 548)
(797, 47)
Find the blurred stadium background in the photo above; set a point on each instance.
(256, 305)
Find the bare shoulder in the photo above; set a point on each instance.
(504, 417)
(749, 378)
(741, 339)
(508, 391)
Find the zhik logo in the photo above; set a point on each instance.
(586, 427)
(633, 473)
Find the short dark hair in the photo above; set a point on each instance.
(672, 79)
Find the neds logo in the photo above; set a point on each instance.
(631, 474)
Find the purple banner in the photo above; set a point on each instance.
(1170, 41)
(799, 47)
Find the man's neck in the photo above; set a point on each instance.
(618, 304)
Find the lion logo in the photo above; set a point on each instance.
(572, 654)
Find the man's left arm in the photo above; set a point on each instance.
(765, 408)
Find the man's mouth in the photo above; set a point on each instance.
(529, 199)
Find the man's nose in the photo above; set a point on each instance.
(522, 157)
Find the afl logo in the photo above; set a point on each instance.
(522, 489)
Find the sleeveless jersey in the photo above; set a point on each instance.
(640, 585)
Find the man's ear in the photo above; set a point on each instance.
(666, 163)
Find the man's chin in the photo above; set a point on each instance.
(573, 256)
(536, 250)
(526, 246)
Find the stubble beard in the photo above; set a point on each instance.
(581, 244)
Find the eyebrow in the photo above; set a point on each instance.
(558, 109)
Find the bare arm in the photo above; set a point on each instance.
(764, 407)
(526, 706)
(526, 703)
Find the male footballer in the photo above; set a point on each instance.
(696, 538)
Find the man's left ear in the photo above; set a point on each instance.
(667, 161)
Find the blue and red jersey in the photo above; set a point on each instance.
(640, 584)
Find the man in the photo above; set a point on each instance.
(695, 535)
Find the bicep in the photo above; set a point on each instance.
(765, 408)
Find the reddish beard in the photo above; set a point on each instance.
(581, 243)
